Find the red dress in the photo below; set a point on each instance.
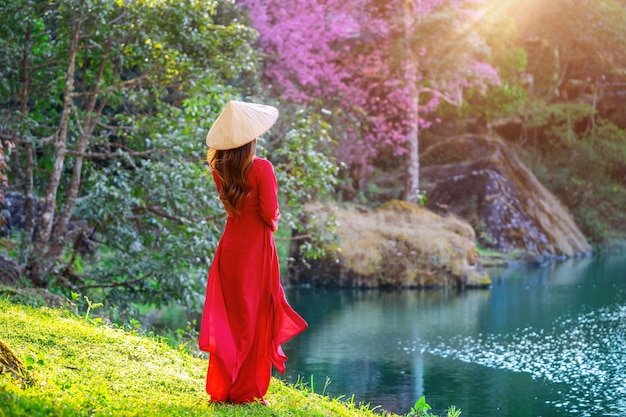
(246, 315)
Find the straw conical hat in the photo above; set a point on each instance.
(240, 123)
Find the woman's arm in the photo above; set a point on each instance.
(268, 195)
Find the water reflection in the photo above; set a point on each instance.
(542, 341)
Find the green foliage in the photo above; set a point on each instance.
(421, 198)
(99, 370)
(90, 306)
(149, 76)
(549, 72)
(506, 100)
(420, 409)
(559, 119)
(306, 174)
(577, 41)
(453, 411)
(310, 386)
(30, 362)
(159, 220)
(587, 173)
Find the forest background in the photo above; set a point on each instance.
(104, 107)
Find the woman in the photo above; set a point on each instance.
(246, 315)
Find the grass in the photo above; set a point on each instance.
(82, 367)
(402, 245)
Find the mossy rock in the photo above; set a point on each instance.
(398, 245)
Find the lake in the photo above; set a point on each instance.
(542, 341)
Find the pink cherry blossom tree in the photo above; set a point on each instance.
(384, 65)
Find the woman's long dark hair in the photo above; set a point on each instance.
(231, 167)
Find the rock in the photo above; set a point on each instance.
(37, 297)
(398, 245)
(13, 220)
(10, 271)
(13, 213)
(478, 179)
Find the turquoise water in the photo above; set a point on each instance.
(542, 341)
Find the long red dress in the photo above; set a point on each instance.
(246, 315)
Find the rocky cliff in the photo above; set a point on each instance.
(477, 178)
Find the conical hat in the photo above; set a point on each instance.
(240, 123)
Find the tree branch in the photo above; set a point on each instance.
(455, 101)
(161, 213)
(110, 155)
(18, 139)
(114, 128)
(114, 87)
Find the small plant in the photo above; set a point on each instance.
(326, 384)
(453, 411)
(30, 362)
(420, 409)
(421, 197)
(310, 386)
(90, 305)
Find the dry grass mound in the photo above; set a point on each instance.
(399, 245)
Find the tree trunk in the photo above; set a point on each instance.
(28, 147)
(411, 185)
(411, 188)
(59, 237)
(39, 263)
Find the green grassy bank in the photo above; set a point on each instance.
(81, 367)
